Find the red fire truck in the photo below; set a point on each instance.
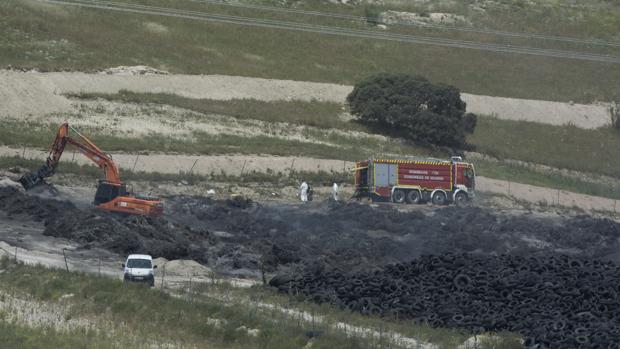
(415, 180)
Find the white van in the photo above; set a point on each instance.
(139, 268)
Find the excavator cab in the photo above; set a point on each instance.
(107, 192)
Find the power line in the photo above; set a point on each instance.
(598, 42)
(275, 24)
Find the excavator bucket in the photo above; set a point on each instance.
(30, 180)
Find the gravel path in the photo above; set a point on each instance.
(35, 94)
(234, 164)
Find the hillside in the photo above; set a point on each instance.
(52, 37)
(218, 110)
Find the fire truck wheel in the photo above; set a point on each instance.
(461, 199)
(398, 196)
(413, 197)
(439, 198)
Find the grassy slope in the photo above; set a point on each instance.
(497, 170)
(594, 151)
(32, 34)
(564, 147)
(588, 19)
(318, 114)
(541, 178)
(339, 147)
(500, 138)
(137, 313)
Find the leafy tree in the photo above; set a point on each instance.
(412, 107)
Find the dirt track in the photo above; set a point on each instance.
(38, 94)
(235, 164)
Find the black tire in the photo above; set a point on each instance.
(439, 198)
(413, 196)
(461, 199)
(461, 281)
(279, 280)
(398, 196)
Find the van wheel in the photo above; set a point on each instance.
(461, 199)
(439, 198)
(398, 196)
(413, 197)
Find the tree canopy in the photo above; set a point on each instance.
(414, 108)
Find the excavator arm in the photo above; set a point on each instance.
(84, 145)
(111, 192)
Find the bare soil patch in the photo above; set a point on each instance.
(34, 94)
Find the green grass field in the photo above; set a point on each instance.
(541, 178)
(568, 147)
(52, 37)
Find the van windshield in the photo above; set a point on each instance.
(139, 263)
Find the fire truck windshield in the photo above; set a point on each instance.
(469, 175)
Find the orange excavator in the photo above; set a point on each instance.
(112, 194)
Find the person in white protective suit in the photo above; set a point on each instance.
(303, 191)
(335, 191)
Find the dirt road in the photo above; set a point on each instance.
(36, 94)
(236, 164)
(200, 164)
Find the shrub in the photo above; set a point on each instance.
(414, 108)
(372, 15)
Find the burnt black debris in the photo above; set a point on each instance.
(14, 202)
(554, 301)
(348, 235)
(553, 279)
(95, 228)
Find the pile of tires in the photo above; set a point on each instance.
(555, 301)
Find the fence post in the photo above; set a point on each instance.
(243, 167)
(189, 295)
(615, 202)
(24, 153)
(163, 276)
(65, 255)
(558, 203)
(292, 164)
(135, 163)
(15, 254)
(191, 169)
